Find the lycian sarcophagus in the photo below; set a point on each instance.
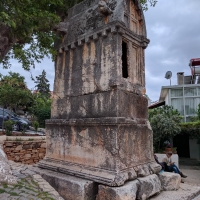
(99, 128)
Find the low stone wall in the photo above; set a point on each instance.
(26, 152)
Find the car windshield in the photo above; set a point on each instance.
(9, 112)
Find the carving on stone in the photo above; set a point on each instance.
(112, 4)
(104, 8)
(93, 19)
(62, 27)
(78, 29)
(88, 3)
(125, 6)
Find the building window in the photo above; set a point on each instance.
(190, 108)
(124, 60)
(190, 92)
(178, 105)
(176, 92)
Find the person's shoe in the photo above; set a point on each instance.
(182, 175)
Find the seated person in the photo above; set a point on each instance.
(171, 167)
(162, 164)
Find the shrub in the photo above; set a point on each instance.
(8, 125)
(165, 122)
(36, 126)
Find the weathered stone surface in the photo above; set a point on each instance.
(170, 181)
(155, 168)
(185, 192)
(69, 187)
(149, 186)
(102, 159)
(125, 192)
(28, 152)
(99, 127)
(5, 171)
(19, 147)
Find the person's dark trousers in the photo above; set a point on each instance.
(173, 168)
(165, 167)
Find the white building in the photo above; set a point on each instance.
(185, 97)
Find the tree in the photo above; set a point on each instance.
(42, 84)
(41, 108)
(165, 122)
(27, 28)
(14, 92)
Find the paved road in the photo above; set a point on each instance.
(191, 168)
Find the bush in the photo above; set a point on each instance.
(192, 129)
(8, 125)
(165, 122)
(41, 109)
(35, 126)
(24, 128)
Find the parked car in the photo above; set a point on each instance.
(19, 122)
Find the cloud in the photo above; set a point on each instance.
(46, 65)
(173, 28)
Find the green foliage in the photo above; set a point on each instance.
(29, 25)
(165, 122)
(192, 129)
(198, 112)
(42, 84)
(8, 125)
(24, 128)
(146, 3)
(36, 126)
(41, 108)
(14, 92)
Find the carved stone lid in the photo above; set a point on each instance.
(90, 15)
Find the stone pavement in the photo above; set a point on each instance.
(185, 192)
(29, 186)
(188, 190)
(191, 167)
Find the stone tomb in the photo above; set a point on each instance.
(99, 127)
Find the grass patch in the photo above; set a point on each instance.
(44, 196)
(2, 191)
(5, 185)
(34, 183)
(31, 189)
(18, 139)
(13, 193)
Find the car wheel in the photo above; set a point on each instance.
(15, 127)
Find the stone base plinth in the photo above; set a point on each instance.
(148, 186)
(143, 188)
(73, 188)
(109, 150)
(69, 187)
(125, 192)
(185, 192)
(170, 181)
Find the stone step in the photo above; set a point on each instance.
(185, 192)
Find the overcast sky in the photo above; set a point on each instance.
(173, 27)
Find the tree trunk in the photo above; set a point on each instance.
(6, 41)
(3, 121)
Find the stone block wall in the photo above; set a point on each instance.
(26, 152)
